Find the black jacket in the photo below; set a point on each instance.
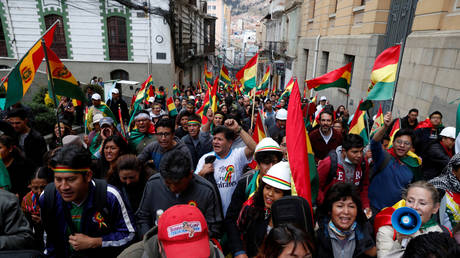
(113, 105)
(35, 147)
(434, 158)
(204, 146)
(363, 238)
(238, 198)
(424, 137)
(405, 123)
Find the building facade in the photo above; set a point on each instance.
(110, 39)
(334, 33)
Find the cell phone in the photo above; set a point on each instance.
(209, 159)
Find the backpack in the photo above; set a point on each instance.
(47, 211)
(333, 169)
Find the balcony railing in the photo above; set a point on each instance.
(279, 47)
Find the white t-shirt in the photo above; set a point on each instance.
(227, 172)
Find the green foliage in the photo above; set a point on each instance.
(45, 116)
(96, 89)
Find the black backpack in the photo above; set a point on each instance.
(333, 169)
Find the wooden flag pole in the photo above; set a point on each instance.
(50, 80)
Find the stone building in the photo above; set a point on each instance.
(113, 39)
(333, 33)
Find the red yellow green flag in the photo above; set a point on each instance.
(383, 74)
(207, 74)
(265, 80)
(224, 79)
(300, 153)
(358, 126)
(171, 107)
(378, 121)
(248, 75)
(64, 82)
(206, 103)
(288, 88)
(394, 129)
(141, 95)
(176, 91)
(21, 77)
(213, 96)
(339, 78)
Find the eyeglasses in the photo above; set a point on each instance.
(403, 143)
(163, 134)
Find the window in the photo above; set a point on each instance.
(118, 44)
(3, 50)
(161, 55)
(59, 45)
(324, 62)
(119, 75)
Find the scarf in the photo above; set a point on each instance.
(447, 181)
(411, 159)
(432, 222)
(449, 152)
(340, 233)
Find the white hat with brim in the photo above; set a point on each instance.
(96, 96)
(279, 176)
(267, 144)
(448, 132)
(281, 114)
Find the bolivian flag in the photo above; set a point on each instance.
(339, 78)
(383, 74)
(207, 74)
(248, 75)
(378, 121)
(64, 82)
(224, 77)
(288, 88)
(204, 108)
(358, 126)
(213, 96)
(258, 134)
(300, 153)
(265, 80)
(171, 107)
(141, 95)
(176, 91)
(21, 77)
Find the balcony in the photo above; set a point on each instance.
(278, 47)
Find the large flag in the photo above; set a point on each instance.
(265, 80)
(64, 82)
(141, 95)
(378, 121)
(248, 75)
(339, 78)
(358, 124)
(213, 96)
(21, 77)
(207, 74)
(288, 88)
(171, 107)
(383, 74)
(224, 77)
(300, 153)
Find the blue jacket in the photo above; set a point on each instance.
(386, 187)
(117, 231)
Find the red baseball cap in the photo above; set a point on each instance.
(183, 232)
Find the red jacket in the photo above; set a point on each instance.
(320, 148)
(361, 183)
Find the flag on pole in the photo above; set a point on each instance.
(383, 74)
(21, 77)
(224, 77)
(141, 95)
(288, 88)
(378, 121)
(207, 74)
(64, 82)
(265, 83)
(257, 135)
(213, 97)
(300, 153)
(394, 129)
(358, 124)
(176, 91)
(339, 78)
(204, 107)
(122, 124)
(171, 107)
(248, 75)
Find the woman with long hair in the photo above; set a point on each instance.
(129, 175)
(113, 147)
(56, 140)
(255, 220)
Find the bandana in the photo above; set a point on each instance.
(196, 122)
(341, 233)
(219, 115)
(65, 169)
(447, 181)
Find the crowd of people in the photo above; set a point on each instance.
(191, 185)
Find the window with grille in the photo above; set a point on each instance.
(3, 50)
(59, 44)
(117, 38)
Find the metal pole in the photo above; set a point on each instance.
(403, 45)
(50, 79)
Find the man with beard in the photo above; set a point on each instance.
(143, 134)
(325, 138)
(166, 141)
(279, 127)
